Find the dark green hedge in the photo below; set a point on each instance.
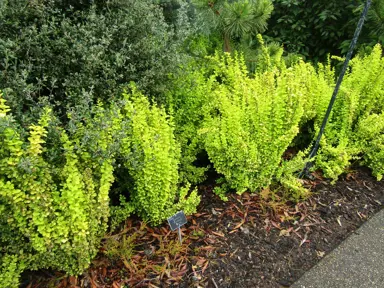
(317, 28)
(70, 53)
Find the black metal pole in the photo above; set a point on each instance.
(315, 148)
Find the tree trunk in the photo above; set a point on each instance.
(227, 44)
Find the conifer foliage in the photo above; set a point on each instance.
(234, 20)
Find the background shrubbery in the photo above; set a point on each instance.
(68, 55)
(315, 29)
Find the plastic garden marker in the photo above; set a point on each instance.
(176, 221)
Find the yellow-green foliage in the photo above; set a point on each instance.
(57, 207)
(10, 270)
(316, 87)
(186, 100)
(153, 157)
(370, 138)
(359, 104)
(286, 175)
(55, 214)
(246, 122)
(250, 122)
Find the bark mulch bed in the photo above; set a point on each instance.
(249, 241)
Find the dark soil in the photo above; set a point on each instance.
(262, 253)
(249, 241)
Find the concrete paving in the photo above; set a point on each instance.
(357, 263)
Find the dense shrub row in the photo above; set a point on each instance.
(83, 148)
(355, 128)
(246, 123)
(55, 185)
(55, 213)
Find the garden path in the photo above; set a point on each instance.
(357, 262)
